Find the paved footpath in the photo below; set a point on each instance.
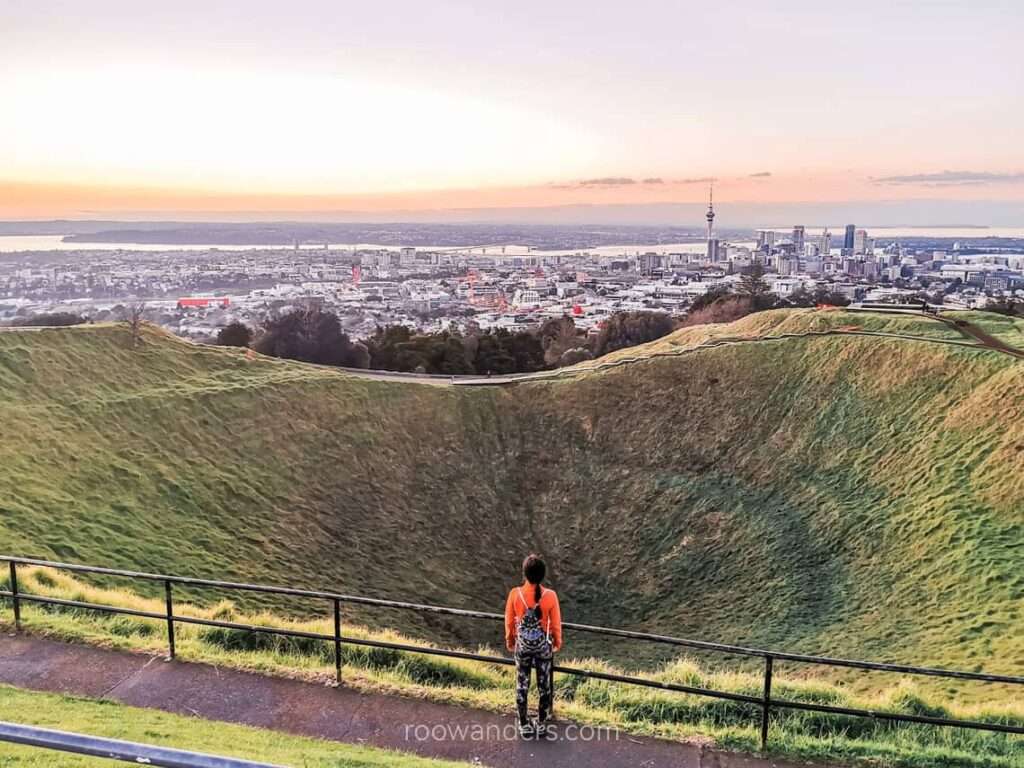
(338, 714)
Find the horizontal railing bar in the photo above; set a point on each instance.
(349, 640)
(676, 687)
(499, 660)
(166, 577)
(250, 627)
(115, 749)
(26, 597)
(904, 718)
(739, 650)
(900, 668)
(607, 631)
(736, 650)
(264, 588)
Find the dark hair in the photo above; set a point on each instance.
(534, 570)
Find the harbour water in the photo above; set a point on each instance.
(11, 243)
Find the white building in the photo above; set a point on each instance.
(523, 298)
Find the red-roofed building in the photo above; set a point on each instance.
(202, 302)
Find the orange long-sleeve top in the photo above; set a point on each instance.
(550, 613)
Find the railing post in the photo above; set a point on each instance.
(337, 641)
(767, 702)
(15, 600)
(170, 620)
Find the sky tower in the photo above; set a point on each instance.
(711, 211)
(712, 253)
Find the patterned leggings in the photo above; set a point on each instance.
(543, 666)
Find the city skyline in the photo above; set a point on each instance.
(317, 112)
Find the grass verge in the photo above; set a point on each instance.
(107, 719)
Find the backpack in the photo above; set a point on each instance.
(531, 639)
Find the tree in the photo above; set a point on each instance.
(799, 297)
(823, 295)
(453, 357)
(311, 335)
(557, 336)
(708, 298)
(133, 315)
(234, 334)
(526, 350)
(396, 348)
(626, 329)
(360, 356)
(51, 319)
(723, 310)
(492, 356)
(1006, 306)
(384, 346)
(752, 283)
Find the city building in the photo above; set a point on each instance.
(860, 241)
(766, 240)
(714, 250)
(798, 240)
(825, 243)
(848, 240)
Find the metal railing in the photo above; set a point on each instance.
(115, 749)
(766, 702)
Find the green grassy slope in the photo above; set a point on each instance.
(782, 322)
(1009, 330)
(845, 495)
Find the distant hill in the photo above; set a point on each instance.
(285, 233)
(849, 495)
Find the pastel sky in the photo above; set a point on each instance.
(120, 106)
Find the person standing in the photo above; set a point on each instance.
(533, 633)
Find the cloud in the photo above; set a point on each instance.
(953, 178)
(626, 181)
(608, 181)
(761, 175)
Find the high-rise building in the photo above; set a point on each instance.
(713, 249)
(860, 241)
(766, 240)
(825, 243)
(848, 238)
(648, 262)
(798, 240)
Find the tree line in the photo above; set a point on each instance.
(315, 335)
